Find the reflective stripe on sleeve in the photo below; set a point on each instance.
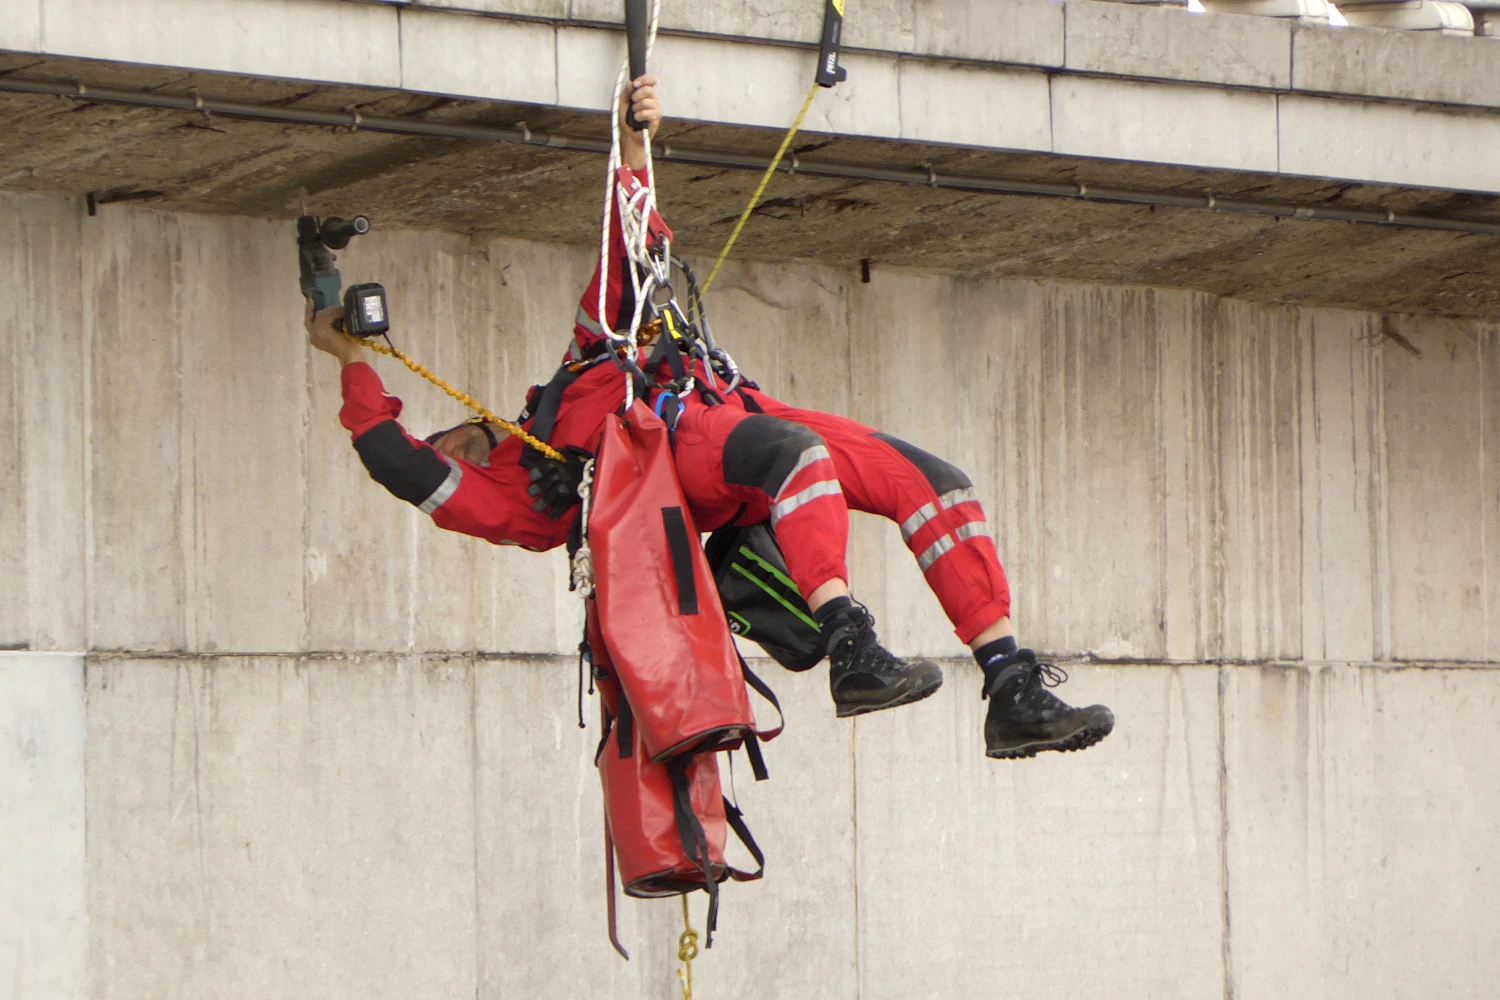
(974, 529)
(445, 489)
(827, 488)
(913, 524)
(934, 552)
(956, 497)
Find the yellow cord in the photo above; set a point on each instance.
(760, 190)
(687, 950)
(463, 397)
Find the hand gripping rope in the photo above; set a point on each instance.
(635, 215)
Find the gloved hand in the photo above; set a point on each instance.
(554, 484)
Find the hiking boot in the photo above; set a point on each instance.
(1025, 717)
(862, 674)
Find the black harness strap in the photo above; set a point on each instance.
(680, 546)
(736, 821)
(694, 840)
(750, 404)
(757, 759)
(547, 406)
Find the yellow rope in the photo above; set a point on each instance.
(761, 189)
(463, 397)
(687, 950)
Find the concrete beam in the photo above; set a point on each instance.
(21, 26)
(1406, 65)
(322, 39)
(1132, 40)
(1323, 137)
(1132, 87)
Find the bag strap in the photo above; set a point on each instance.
(694, 840)
(609, 857)
(680, 545)
(736, 821)
(625, 728)
(751, 743)
(764, 690)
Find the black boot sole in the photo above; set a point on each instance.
(1081, 739)
(894, 698)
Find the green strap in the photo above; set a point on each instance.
(778, 574)
(742, 571)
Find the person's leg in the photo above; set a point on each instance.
(747, 468)
(936, 507)
(944, 525)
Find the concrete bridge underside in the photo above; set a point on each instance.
(1098, 95)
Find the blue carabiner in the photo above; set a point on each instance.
(662, 399)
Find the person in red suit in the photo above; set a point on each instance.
(743, 458)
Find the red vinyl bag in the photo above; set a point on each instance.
(639, 808)
(660, 619)
(666, 823)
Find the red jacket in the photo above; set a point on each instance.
(491, 502)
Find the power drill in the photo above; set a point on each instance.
(365, 312)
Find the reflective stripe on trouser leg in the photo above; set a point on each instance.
(783, 507)
(947, 543)
(885, 476)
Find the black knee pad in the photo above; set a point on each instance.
(943, 476)
(762, 451)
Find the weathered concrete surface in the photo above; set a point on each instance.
(1170, 475)
(1354, 800)
(318, 724)
(1158, 42)
(43, 911)
(42, 424)
(1409, 65)
(281, 827)
(1109, 865)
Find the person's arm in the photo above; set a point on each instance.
(489, 503)
(619, 296)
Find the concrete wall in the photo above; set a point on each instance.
(322, 747)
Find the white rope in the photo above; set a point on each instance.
(583, 559)
(635, 215)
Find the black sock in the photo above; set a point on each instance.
(1003, 646)
(831, 607)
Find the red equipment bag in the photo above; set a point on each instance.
(666, 822)
(659, 613)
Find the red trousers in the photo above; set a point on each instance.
(803, 470)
